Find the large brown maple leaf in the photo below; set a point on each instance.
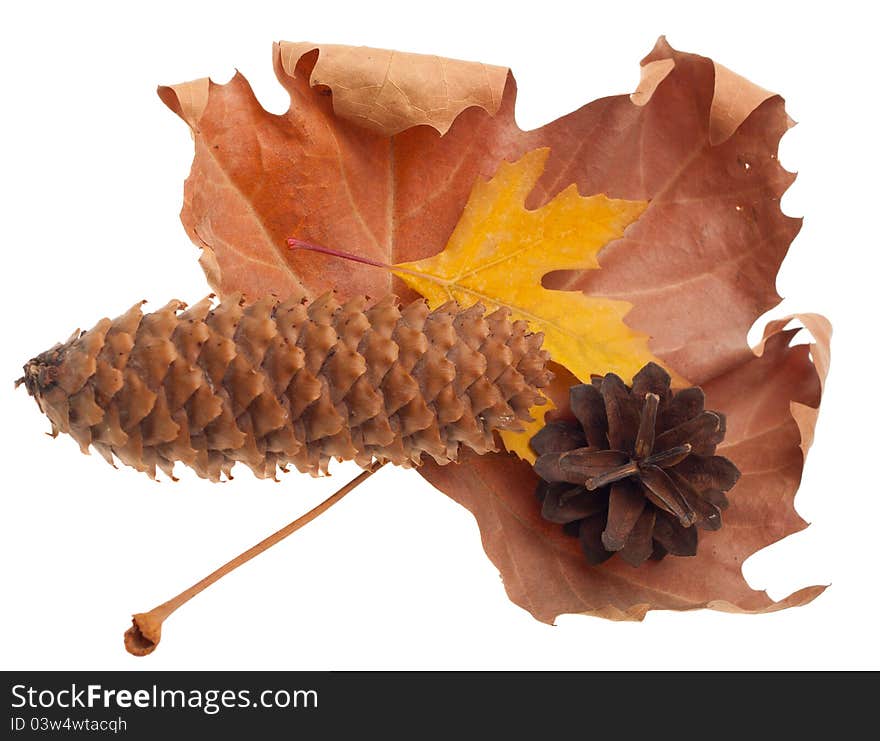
(378, 154)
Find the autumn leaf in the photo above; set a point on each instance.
(518, 442)
(698, 267)
(499, 252)
(396, 90)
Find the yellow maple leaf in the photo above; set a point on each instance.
(500, 251)
(518, 442)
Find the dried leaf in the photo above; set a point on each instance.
(714, 218)
(699, 266)
(389, 91)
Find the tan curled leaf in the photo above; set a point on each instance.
(389, 91)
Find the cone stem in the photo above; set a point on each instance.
(146, 630)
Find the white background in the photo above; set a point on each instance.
(394, 576)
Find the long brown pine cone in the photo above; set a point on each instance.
(270, 383)
(637, 473)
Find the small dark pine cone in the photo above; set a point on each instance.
(637, 473)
